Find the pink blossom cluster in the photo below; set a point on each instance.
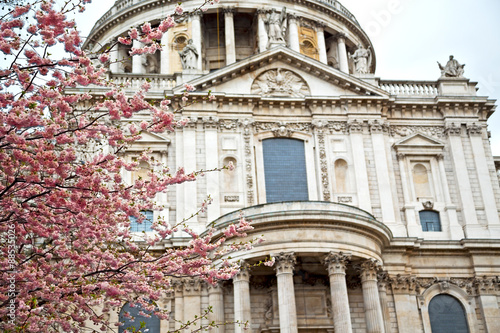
(61, 190)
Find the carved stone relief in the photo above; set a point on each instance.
(247, 135)
(280, 82)
(433, 131)
(282, 129)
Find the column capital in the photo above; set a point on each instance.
(369, 269)
(215, 288)
(243, 274)
(292, 18)
(453, 129)
(336, 262)
(355, 126)
(197, 14)
(285, 262)
(228, 11)
(340, 35)
(474, 129)
(192, 286)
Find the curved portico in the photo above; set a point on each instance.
(327, 256)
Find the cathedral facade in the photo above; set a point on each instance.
(378, 199)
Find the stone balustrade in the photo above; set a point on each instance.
(157, 81)
(410, 88)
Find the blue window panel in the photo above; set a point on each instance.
(429, 220)
(139, 323)
(285, 170)
(447, 315)
(146, 224)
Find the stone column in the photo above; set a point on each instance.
(472, 228)
(165, 55)
(192, 298)
(263, 39)
(378, 130)
(178, 303)
(488, 303)
(321, 43)
(242, 313)
(373, 309)
(293, 33)
(359, 162)
(216, 301)
(212, 161)
(456, 230)
(336, 265)
(343, 62)
(137, 67)
(412, 226)
(196, 36)
(382, 294)
(484, 177)
(285, 264)
(229, 33)
(114, 56)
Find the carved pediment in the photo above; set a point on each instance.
(281, 72)
(419, 143)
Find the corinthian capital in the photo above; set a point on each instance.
(285, 262)
(336, 262)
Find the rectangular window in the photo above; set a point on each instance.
(429, 220)
(146, 224)
(285, 170)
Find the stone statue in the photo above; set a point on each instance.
(362, 60)
(452, 68)
(189, 56)
(276, 25)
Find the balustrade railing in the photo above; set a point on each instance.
(410, 88)
(157, 81)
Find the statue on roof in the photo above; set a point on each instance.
(452, 68)
(362, 59)
(276, 25)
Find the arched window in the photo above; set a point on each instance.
(285, 170)
(341, 177)
(447, 315)
(130, 317)
(429, 220)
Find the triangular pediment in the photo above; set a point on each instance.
(419, 142)
(282, 72)
(152, 141)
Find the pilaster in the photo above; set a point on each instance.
(472, 228)
(359, 163)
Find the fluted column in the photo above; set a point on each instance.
(321, 43)
(293, 33)
(343, 62)
(242, 313)
(373, 309)
(285, 264)
(137, 59)
(336, 265)
(216, 301)
(196, 36)
(263, 39)
(229, 32)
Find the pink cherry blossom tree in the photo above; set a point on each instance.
(68, 256)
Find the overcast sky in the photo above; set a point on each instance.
(409, 36)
